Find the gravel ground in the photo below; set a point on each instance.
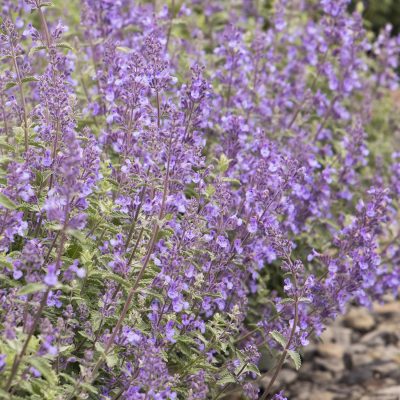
(357, 358)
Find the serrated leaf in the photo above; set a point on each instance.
(295, 356)
(67, 377)
(89, 388)
(6, 202)
(108, 275)
(111, 360)
(77, 235)
(98, 346)
(123, 49)
(252, 368)
(304, 300)
(31, 288)
(210, 190)
(223, 163)
(36, 48)
(288, 300)
(278, 337)
(226, 378)
(5, 145)
(10, 85)
(43, 366)
(30, 79)
(235, 182)
(65, 46)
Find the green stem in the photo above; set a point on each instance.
(21, 92)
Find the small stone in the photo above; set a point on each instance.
(373, 338)
(287, 376)
(333, 365)
(388, 391)
(358, 348)
(385, 353)
(388, 308)
(361, 359)
(330, 350)
(322, 376)
(360, 319)
(384, 335)
(337, 334)
(322, 395)
(309, 352)
(385, 368)
(358, 376)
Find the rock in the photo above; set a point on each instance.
(358, 376)
(357, 357)
(316, 376)
(385, 353)
(374, 338)
(337, 334)
(333, 365)
(359, 319)
(309, 352)
(388, 391)
(331, 350)
(384, 335)
(322, 376)
(287, 376)
(360, 359)
(348, 360)
(300, 391)
(388, 308)
(358, 348)
(385, 369)
(322, 395)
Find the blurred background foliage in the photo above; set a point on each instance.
(378, 13)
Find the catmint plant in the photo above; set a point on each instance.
(189, 191)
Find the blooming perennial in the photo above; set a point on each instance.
(189, 191)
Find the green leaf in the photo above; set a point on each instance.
(295, 356)
(108, 275)
(5, 145)
(252, 368)
(36, 48)
(43, 366)
(111, 360)
(9, 85)
(6, 202)
(223, 163)
(278, 337)
(123, 49)
(210, 190)
(287, 300)
(77, 235)
(4, 394)
(31, 288)
(89, 388)
(30, 79)
(65, 46)
(304, 300)
(226, 378)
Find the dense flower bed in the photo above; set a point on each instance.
(189, 191)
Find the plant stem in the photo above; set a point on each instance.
(44, 24)
(139, 277)
(18, 358)
(4, 117)
(289, 342)
(21, 92)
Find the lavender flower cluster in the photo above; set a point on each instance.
(190, 190)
